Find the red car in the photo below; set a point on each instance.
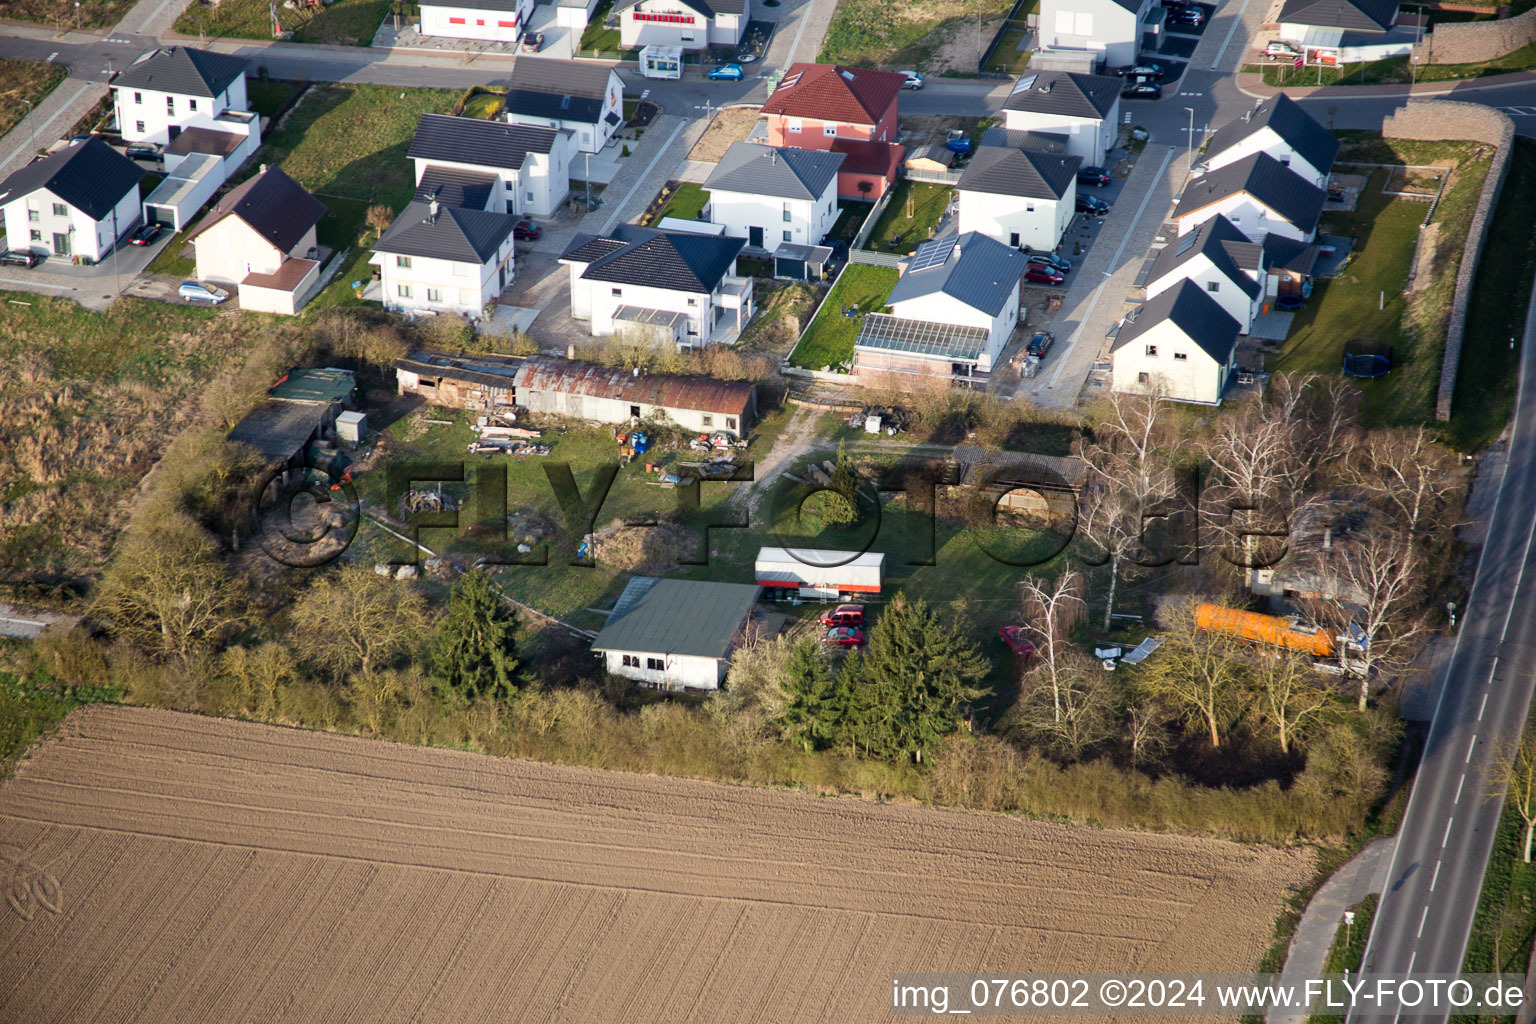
(844, 636)
(844, 615)
(1037, 274)
(1013, 636)
(527, 231)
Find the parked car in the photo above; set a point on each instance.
(145, 233)
(1142, 69)
(526, 230)
(142, 151)
(1191, 17)
(1037, 273)
(533, 42)
(1051, 260)
(1141, 91)
(196, 291)
(1040, 344)
(1279, 49)
(1095, 176)
(1013, 636)
(844, 615)
(914, 79)
(844, 636)
(20, 258)
(1092, 205)
(727, 73)
(76, 140)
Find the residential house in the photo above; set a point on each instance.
(1084, 108)
(675, 634)
(1021, 197)
(501, 21)
(1111, 29)
(444, 259)
(481, 382)
(78, 201)
(815, 104)
(691, 24)
(1320, 539)
(869, 168)
(573, 15)
(669, 288)
(771, 195)
(490, 165)
(1277, 126)
(952, 312)
(1258, 194)
(585, 391)
(169, 90)
(1180, 345)
(1209, 256)
(260, 237)
(1331, 19)
(586, 100)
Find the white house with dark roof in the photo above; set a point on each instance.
(1258, 194)
(1277, 126)
(175, 88)
(1084, 108)
(75, 202)
(675, 634)
(953, 310)
(444, 259)
(1111, 29)
(1023, 198)
(772, 196)
(1300, 18)
(666, 287)
(1180, 345)
(584, 99)
(1208, 256)
(502, 21)
(691, 24)
(491, 165)
(261, 237)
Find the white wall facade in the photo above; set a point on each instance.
(587, 137)
(197, 178)
(1016, 221)
(144, 115)
(674, 23)
(802, 220)
(943, 308)
(1255, 220)
(1099, 25)
(231, 249)
(1215, 284)
(1167, 360)
(667, 670)
(421, 284)
(596, 302)
(470, 23)
(1089, 138)
(1266, 141)
(43, 223)
(248, 129)
(255, 299)
(538, 188)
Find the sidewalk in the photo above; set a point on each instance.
(1252, 84)
(48, 122)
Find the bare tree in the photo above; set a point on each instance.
(1195, 672)
(1069, 708)
(1049, 615)
(1284, 683)
(167, 591)
(356, 620)
(1146, 721)
(1512, 777)
(1409, 475)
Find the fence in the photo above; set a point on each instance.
(936, 177)
(875, 259)
(1013, 22)
(868, 227)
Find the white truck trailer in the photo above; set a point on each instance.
(818, 573)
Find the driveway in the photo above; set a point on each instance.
(543, 284)
(92, 286)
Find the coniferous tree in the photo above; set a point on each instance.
(810, 711)
(476, 649)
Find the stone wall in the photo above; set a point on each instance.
(1471, 42)
(1437, 120)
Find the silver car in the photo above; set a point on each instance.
(196, 291)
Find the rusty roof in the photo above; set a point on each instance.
(705, 394)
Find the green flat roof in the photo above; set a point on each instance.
(312, 384)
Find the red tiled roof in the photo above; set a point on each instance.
(864, 157)
(830, 92)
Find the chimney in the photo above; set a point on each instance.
(570, 352)
(263, 168)
(432, 211)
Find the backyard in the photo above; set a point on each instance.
(829, 340)
(23, 84)
(342, 23)
(910, 217)
(687, 203)
(932, 36)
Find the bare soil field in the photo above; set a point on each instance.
(733, 124)
(170, 868)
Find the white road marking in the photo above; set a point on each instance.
(1482, 708)
(51, 56)
(1435, 878)
(1237, 19)
(1470, 744)
(1459, 783)
(1519, 578)
(1447, 837)
(1422, 917)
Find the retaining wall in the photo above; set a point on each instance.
(1437, 120)
(1471, 42)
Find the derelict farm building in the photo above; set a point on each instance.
(587, 391)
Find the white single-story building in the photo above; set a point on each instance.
(1083, 108)
(502, 21)
(674, 634)
(260, 237)
(76, 202)
(691, 24)
(491, 165)
(770, 195)
(1209, 256)
(820, 573)
(168, 90)
(584, 99)
(1277, 126)
(587, 391)
(1258, 194)
(444, 259)
(1180, 345)
(1023, 198)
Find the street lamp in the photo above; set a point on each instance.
(1450, 609)
(77, 15)
(1191, 156)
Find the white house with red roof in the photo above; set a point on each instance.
(827, 106)
(691, 24)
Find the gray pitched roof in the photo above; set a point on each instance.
(1281, 253)
(1028, 173)
(1064, 92)
(661, 259)
(1353, 15)
(1265, 179)
(457, 234)
(274, 205)
(772, 171)
(453, 187)
(1042, 142)
(1193, 312)
(1283, 116)
(470, 140)
(1209, 240)
(561, 90)
(977, 270)
(1247, 255)
(687, 617)
(90, 176)
(183, 71)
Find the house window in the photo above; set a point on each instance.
(529, 195)
(37, 236)
(794, 125)
(192, 104)
(787, 235)
(730, 423)
(170, 104)
(480, 22)
(60, 210)
(1013, 239)
(1029, 207)
(1213, 286)
(1143, 378)
(631, 661)
(403, 262)
(434, 295)
(693, 332)
(829, 130)
(140, 125)
(1180, 355)
(634, 411)
(706, 419)
(692, 301)
(618, 293)
(1151, 351)
(655, 664)
(34, 216)
(138, 98)
(403, 290)
(786, 213)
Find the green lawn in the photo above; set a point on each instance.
(267, 95)
(687, 203)
(595, 37)
(900, 232)
(829, 340)
(864, 33)
(27, 711)
(1395, 70)
(1349, 941)
(68, 14)
(23, 84)
(1007, 58)
(343, 23)
(485, 105)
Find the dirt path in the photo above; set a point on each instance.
(188, 869)
(798, 439)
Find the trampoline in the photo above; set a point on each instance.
(1367, 359)
(1290, 303)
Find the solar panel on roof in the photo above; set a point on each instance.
(930, 254)
(791, 80)
(1023, 85)
(847, 75)
(1185, 244)
(921, 337)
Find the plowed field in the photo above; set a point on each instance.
(167, 868)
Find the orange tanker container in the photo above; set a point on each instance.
(1264, 629)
